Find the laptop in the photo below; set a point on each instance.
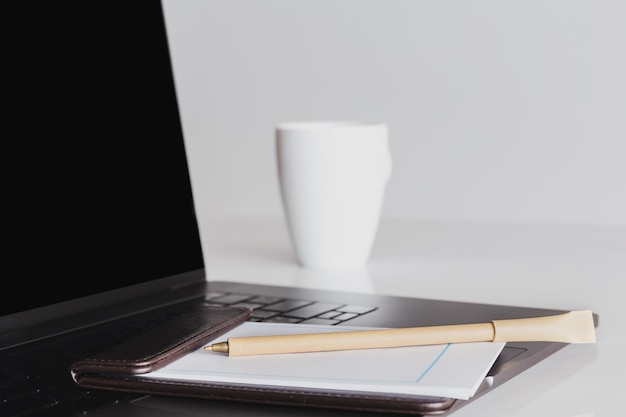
(102, 230)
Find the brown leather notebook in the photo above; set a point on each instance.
(121, 369)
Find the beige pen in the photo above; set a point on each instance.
(571, 327)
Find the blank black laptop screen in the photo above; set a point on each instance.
(100, 196)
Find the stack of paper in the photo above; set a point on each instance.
(452, 370)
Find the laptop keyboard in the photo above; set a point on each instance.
(36, 381)
(280, 310)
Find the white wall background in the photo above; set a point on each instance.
(505, 111)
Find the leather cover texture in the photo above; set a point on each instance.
(162, 345)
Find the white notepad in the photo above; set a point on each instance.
(451, 370)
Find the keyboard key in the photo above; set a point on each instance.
(345, 316)
(329, 315)
(251, 306)
(317, 320)
(312, 310)
(288, 305)
(356, 309)
(263, 314)
(262, 299)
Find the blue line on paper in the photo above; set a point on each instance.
(433, 364)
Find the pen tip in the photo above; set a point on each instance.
(221, 347)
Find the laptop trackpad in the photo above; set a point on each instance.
(506, 355)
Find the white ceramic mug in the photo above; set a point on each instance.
(332, 179)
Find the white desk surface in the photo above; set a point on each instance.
(568, 267)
